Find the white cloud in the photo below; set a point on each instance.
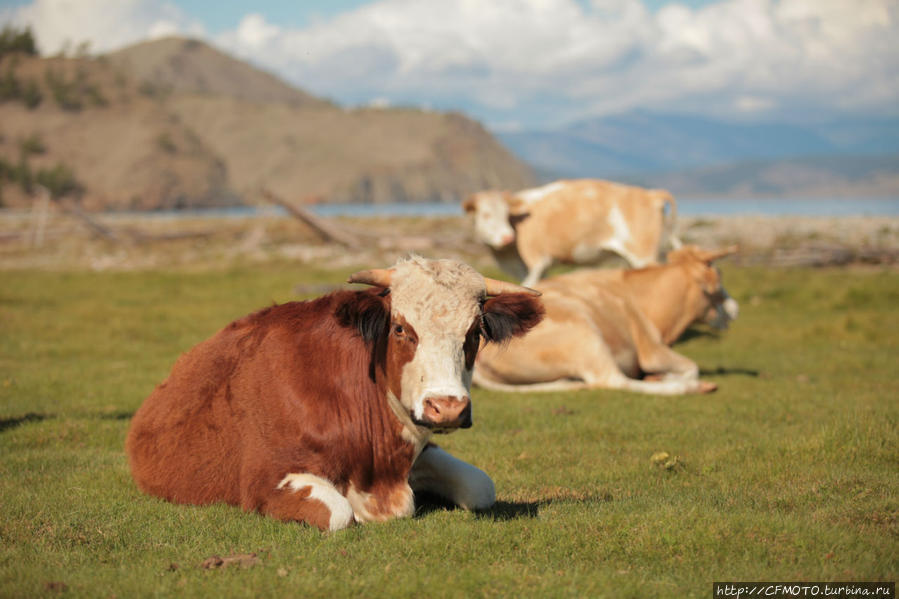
(550, 61)
(752, 103)
(553, 60)
(254, 32)
(162, 29)
(106, 25)
(380, 103)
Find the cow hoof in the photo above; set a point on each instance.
(707, 387)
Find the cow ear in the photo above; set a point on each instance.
(366, 311)
(510, 315)
(470, 203)
(513, 201)
(515, 219)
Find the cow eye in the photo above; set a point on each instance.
(398, 329)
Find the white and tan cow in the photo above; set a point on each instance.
(583, 221)
(608, 328)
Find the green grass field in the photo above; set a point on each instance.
(789, 472)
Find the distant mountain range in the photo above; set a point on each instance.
(699, 156)
(175, 123)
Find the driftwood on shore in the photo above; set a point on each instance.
(326, 231)
(791, 243)
(91, 223)
(354, 238)
(820, 256)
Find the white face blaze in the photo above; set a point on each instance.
(439, 299)
(491, 219)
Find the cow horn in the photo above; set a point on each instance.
(379, 277)
(712, 255)
(495, 287)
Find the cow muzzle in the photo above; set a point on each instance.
(446, 412)
(724, 313)
(499, 241)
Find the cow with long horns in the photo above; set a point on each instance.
(321, 411)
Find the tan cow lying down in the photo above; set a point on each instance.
(321, 411)
(605, 328)
(582, 221)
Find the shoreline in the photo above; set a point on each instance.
(58, 241)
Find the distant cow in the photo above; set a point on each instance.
(575, 222)
(321, 411)
(607, 328)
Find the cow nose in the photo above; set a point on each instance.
(448, 411)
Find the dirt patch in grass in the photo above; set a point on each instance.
(244, 560)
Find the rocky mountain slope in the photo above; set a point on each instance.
(174, 123)
(186, 66)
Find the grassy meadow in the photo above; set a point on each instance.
(789, 472)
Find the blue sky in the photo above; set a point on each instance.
(531, 63)
(220, 16)
(223, 15)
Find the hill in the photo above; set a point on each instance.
(187, 66)
(175, 123)
(113, 144)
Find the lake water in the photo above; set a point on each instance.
(685, 207)
(878, 206)
(833, 207)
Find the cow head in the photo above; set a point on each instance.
(493, 222)
(425, 323)
(720, 308)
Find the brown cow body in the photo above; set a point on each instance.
(607, 328)
(305, 411)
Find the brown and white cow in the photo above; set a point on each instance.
(321, 411)
(584, 221)
(607, 328)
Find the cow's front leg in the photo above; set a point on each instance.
(436, 471)
(535, 270)
(383, 501)
(304, 497)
